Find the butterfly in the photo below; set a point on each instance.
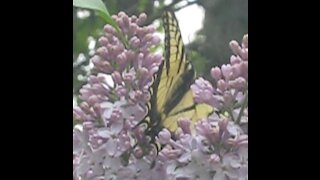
(171, 96)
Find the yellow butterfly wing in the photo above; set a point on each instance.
(195, 112)
(171, 96)
(175, 61)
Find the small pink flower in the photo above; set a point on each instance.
(164, 136)
(216, 73)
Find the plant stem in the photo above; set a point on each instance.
(244, 105)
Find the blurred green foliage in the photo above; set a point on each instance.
(225, 20)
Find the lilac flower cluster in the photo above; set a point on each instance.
(105, 141)
(108, 142)
(219, 147)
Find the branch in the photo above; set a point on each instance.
(188, 4)
(159, 13)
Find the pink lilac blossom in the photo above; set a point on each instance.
(109, 112)
(218, 149)
(109, 143)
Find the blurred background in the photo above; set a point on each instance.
(207, 27)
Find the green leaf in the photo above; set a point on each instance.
(91, 4)
(102, 11)
(98, 6)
